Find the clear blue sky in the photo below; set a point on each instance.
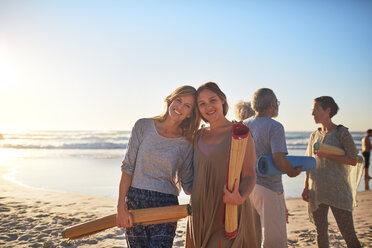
(104, 64)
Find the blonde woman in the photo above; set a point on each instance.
(157, 162)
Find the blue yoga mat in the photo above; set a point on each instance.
(265, 165)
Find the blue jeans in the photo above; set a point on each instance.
(158, 235)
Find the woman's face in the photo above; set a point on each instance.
(210, 105)
(181, 107)
(320, 115)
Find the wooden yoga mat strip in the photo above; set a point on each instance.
(237, 153)
(145, 216)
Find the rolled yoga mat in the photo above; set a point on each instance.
(266, 167)
(237, 153)
(334, 150)
(145, 216)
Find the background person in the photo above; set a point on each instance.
(243, 110)
(268, 194)
(328, 186)
(366, 150)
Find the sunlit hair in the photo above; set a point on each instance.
(214, 88)
(262, 99)
(243, 110)
(190, 125)
(327, 102)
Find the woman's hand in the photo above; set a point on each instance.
(305, 194)
(287, 214)
(124, 219)
(320, 154)
(233, 197)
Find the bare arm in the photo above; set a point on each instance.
(305, 192)
(348, 146)
(368, 144)
(123, 217)
(247, 178)
(309, 152)
(339, 159)
(284, 165)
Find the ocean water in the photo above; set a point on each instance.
(89, 162)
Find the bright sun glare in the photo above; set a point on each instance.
(7, 68)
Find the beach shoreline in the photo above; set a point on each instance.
(35, 218)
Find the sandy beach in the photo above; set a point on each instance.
(35, 218)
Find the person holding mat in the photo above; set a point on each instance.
(268, 194)
(158, 160)
(209, 192)
(328, 185)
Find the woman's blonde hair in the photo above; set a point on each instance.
(243, 110)
(189, 125)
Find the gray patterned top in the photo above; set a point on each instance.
(158, 163)
(330, 181)
(269, 138)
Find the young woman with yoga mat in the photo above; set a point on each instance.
(157, 162)
(329, 185)
(209, 192)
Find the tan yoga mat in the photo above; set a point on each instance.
(237, 152)
(328, 149)
(145, 216)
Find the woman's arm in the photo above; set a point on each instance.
(339, 159)
(309, 152)
(348, 146)
(123, 217)
(186, 172)
(305, 192)
(247, 178)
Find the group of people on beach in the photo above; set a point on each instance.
(172, 150)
